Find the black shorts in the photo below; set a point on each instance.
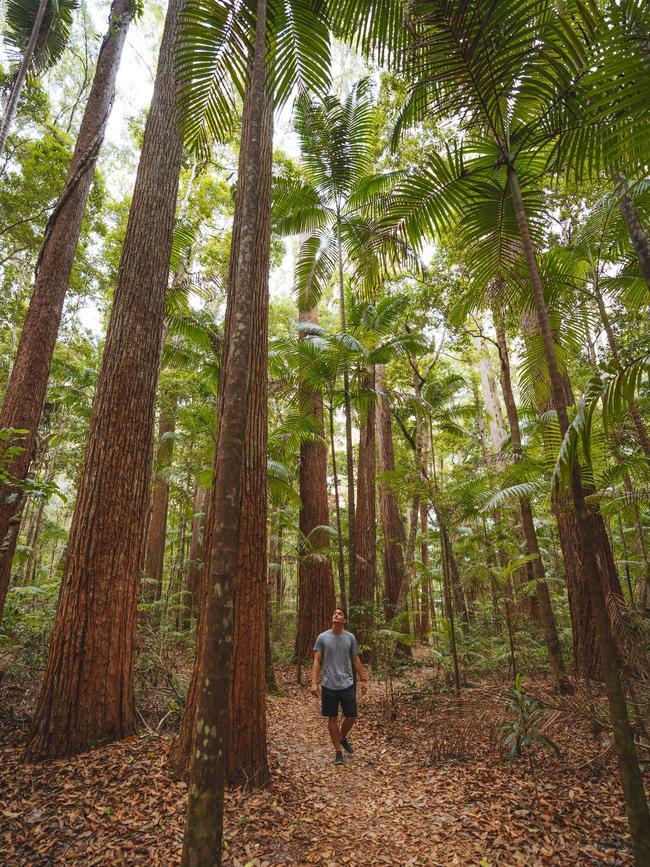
(331, 698)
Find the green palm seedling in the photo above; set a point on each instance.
(525, 729)
(37, 32)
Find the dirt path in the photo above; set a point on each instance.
(388, 804)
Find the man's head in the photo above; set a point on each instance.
(339, 616)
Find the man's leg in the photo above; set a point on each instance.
(333, 726)
(346, 725)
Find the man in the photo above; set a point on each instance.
(336, 652)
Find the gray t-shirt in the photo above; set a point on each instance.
(337, 653)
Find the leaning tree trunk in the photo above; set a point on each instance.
(23, 402)
(585, 646)
(362, 591)
(598, 564)
(87, 692)
(225, 711)
(641, 430)
(544, 608)
(249, 265)
(21, 77)
(391, 519)
(154, 556)
(636, 230)
(316, 597)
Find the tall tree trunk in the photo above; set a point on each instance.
(391, 519)
(87, 692)
(25, 394)
(544, 607)
(362, 592)
(598, 564)
(637, 232)
(426, 588)
(194, 571)
(640, 427)
(21, 77)
(337, 505)
(154, 556)
(316, 597)
(491, 399)
(449, 606)
(227, 721)
(248, 286)
(349, 455)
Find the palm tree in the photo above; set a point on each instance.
(224, 52)
(336, 203)
(38, 32)
(507, 70)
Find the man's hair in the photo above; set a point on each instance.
(341, 608)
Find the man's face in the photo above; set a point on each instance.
(338, 617)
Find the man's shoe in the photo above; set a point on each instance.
(347, 746)
(339, 759)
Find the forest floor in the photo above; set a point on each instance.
(431, 786)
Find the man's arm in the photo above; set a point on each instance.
(356, 661)
(315, 671)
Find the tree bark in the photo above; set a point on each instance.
(391, 519)
(637, 232)
(491, 400)
(642, 433)
(316, 597)
(21, 77)
(194, 571)
(228, 720)
(598, 565)
(248, 284)
(337, 506)
(544, 607)
(154, 557)
(87, 692)
(424, 623)
(349, 455)
(25, 394)
(362, 592)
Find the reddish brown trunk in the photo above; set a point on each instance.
(544, 610)
(598, 566)
(247, 756)
(194, 570)
(154, 557)
(316, 597)
(87, 693)
(239, 486)
(585, 649)
(23, 402)
(639, 425)
(366, 521)
(391, 519)
(636, 230)
(425, 594)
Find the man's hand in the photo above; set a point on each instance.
(364, 686)
(313, 689)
